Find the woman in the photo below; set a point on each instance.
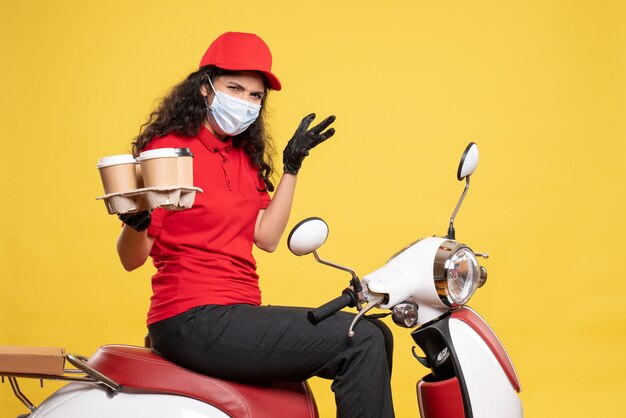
(205, 312)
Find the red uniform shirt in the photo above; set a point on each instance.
(203, 255)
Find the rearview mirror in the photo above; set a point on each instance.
(307, 236)
(467, 166)
(469, 161)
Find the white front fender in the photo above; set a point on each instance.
(492, 391)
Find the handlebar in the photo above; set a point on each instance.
(347, 299)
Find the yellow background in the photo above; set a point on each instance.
(539, 85)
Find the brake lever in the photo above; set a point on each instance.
(371, 303)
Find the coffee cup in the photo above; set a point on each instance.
(159, 167)
(139, 176)
(185, 166)
(118, 173)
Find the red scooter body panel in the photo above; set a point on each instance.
(440, 399)
(472, 319)
(141, 368)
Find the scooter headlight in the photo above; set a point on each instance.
(456, 272)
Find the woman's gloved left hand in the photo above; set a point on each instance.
(304, 140)
(139, 221)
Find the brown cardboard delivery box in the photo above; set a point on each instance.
(32, 360)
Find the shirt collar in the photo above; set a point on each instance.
(212, 143)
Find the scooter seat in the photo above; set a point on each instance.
(143, 369)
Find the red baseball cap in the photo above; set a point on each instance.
(239, 51)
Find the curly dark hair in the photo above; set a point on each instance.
(183, 109)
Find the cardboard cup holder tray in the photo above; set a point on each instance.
(167, 197)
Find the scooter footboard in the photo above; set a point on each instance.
(440, 399)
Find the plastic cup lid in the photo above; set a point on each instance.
(183, 152)
(157, 153)
(116, 160)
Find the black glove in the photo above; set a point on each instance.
(139, 221)
(302, 141)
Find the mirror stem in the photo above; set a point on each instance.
(337, 266)
(451, 232)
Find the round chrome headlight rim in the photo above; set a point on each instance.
(443, 268)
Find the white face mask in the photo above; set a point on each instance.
(229, 115)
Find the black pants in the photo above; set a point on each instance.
(266, 343)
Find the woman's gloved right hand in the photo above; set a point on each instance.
(304, 140)
(139, 221)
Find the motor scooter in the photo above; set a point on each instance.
(425, 286)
